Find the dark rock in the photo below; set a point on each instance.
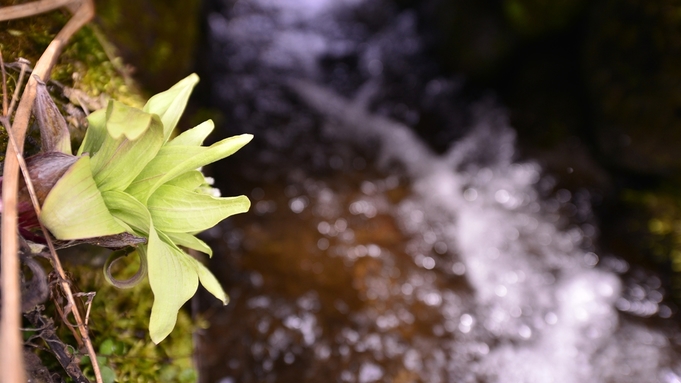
(632, 60)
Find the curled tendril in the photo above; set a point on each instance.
(132, 281)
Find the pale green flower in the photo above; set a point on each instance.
(131, 178)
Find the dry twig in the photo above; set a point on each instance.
(24, 67)
(48, 334)
(32, 9)
(4, 87)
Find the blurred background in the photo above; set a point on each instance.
(590, 85)
(443, 190)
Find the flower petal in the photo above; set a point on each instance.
(124, 120)
(96, 131)
(194, 136)
(190, 180)
(173, 279)
(210, 283)
(177, 210)
(190, 241)
(120, 159)
(75, 209)
(129, 210)
(169, 105)
(174, 160)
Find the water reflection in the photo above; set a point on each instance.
(370, 257)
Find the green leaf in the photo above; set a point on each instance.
(188, 375)
(124, 120)
(107, 347)
(211, 283)
(96, 131)
(172, 161)
(190, 180)
(129, 210)
(161, 169)
(194, 136)
(177, 210)
(169, 105)
(75, 209)
(108, 374)
(190, 241)
(119, 160)
(173, 279)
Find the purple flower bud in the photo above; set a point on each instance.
(45, 169)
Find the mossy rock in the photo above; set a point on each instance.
(118, 318)
(84, 66)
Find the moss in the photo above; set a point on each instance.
(87, 67)
(84, 65)
(652, 224)
(119, 322)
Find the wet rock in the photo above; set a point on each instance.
(632, 59)
(157, 39)
(473, 37)
(538, 17)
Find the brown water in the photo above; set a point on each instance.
(328, 288)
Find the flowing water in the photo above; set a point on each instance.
(374, 254)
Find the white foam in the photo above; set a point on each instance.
(513, 254)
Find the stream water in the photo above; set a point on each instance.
(374, 254)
